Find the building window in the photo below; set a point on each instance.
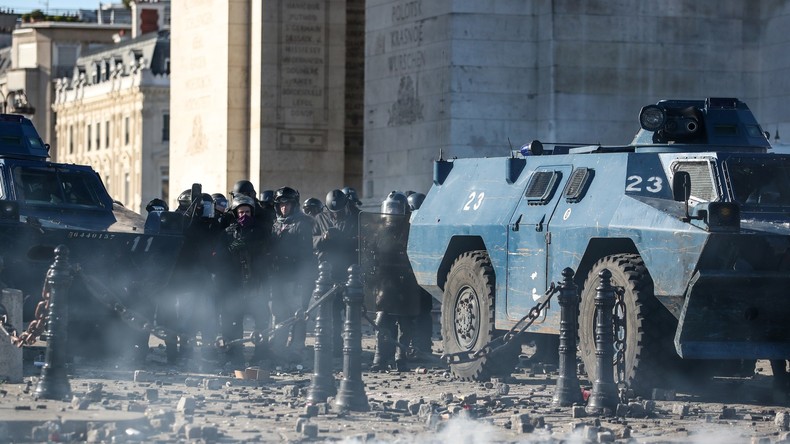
(107, 134)
(126, 129)
(98, 135)
(90, 136)
(166, 127)
(71, 139)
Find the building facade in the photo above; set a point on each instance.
(479, 78)
(263, 91)
(113, 113)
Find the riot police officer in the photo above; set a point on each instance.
(241, 262)
(335, 240)
(395, 288)
(258, 306)
(312, 207)
(354, 203)
(293, 265)
(423, 323)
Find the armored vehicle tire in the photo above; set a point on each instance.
(468, 317)
(648, 329)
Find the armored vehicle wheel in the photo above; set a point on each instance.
(468, 316)
(645, 326)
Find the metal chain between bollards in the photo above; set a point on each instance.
(499, 343)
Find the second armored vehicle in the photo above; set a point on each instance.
(45, 204)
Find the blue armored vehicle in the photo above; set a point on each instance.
(692, 218)
(45, 204)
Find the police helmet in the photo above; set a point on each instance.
(286, 194)
(336, 201)
(244, 187)
(220, 202)
(409, 193)
(415, 201)
(312, 206)
(351, 194)
(267, 198)
(283, 195)
(395, 203)
(156, 205)
(242, 200)
(206, 206)
(185, 199)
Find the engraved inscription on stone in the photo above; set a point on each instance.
(408, 108)
(303, 62)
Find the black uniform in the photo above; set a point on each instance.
(293, 265)
(240, 265)
(336, 240)
(396, 294)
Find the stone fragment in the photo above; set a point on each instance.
(521, 423)
(310, 410)
(636, 410)
(782, 421)
(537, 422)
(300, 422)
(323, 408)
(291, 391)
(186, 404)
(96, 435)
(577, 411)
(143, 376)
(727, 413)
(94, 392)
(212, 383)
(606, 436)
(680, 409)
(761, 440)
(590, 431)
(432, 421)
(209, 433)
(151, 394)
(135, 407)
(79, 403)
(310, 430)
(414, 407)
(192, 431)
(401, 404)
(424, 410)
(192, 382)
(502, 389)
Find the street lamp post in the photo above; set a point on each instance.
(15, 102)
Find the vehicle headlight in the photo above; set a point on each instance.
(652, 118)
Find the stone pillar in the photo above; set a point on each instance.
(11, 361)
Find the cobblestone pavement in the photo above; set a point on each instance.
(155, 402)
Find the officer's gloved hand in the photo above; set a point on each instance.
(237, 244)
(333, 233)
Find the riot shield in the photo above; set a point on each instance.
(387, 277)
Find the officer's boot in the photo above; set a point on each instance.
(385, 348)
(405, 329)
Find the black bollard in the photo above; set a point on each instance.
(351, 395)
(322, 385)
(54, 383)
(604, 390)
(568, 390)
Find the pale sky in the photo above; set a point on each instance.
(27, 5)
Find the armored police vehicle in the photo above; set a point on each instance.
(45, 204)
(692, 218)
